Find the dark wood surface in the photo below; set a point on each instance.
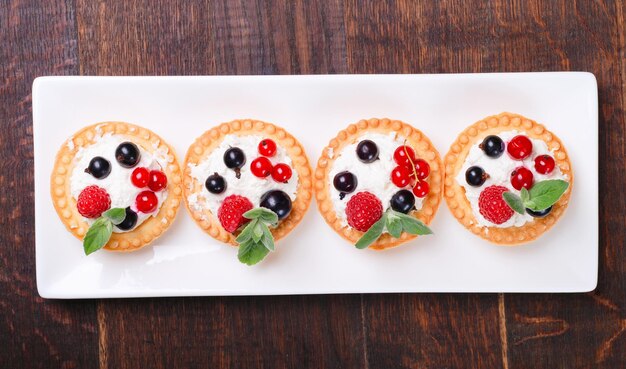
(292, 37)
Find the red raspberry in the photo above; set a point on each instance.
(231, 212)
(363, 210)
(93, 201)
(492, 206)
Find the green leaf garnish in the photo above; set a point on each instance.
(115, 215)
(256, 240)
(395, 223)
(544, 194)
(372, 234)
(98, 235)
(541, 196)
(514, 202)
(100, 231)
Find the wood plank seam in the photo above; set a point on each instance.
(364, 330)
(503, 333)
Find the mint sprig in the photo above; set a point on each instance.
(395, 223)
(100, 231)
(255, 240)
(541, 196)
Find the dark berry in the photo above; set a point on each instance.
(234, 158)
(475, 176)
(129, 222)
(127, 154)
(278, 202)
(367, 151)
(99, 167)
(493, 146)
(215, 184)
(403, 201)
(540, 213)
(345, 182)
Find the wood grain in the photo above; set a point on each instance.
(294, 37)
(33, 333)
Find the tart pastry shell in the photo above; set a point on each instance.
(65, 204)
(454, 193)
(211, 139)
(423, 148)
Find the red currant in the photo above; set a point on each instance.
(519, 147)
(421, 189)
(140, 177)
(522, 177)
(158, 180)
(267, 147)
(261, 167)
(401, 176)
(281, 172)
(422, 168)
(404, 155)
(146, 201)
(544, 164)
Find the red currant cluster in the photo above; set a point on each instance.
(262, 167)
(155, 180)
(520, 147)
(410, 171)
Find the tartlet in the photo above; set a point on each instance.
(517, 169)
(83, 161)
(214, 174)
(353, 188)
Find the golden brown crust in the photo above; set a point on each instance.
(423, 148)
(65, 204)
(209, 140)
(460, 206)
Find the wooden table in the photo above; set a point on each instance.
(87, 37)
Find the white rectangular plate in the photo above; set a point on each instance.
(313, 259)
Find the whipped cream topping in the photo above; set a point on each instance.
(248, 184)
(118, 183)
(499, 170)
(372, 177)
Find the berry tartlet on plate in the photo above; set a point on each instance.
(378, 183)
(248, 184)
(116, 186)
(508, 179)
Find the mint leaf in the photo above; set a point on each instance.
(514, 201)
(98, 235)
(251, 253)
(115, 215)
(263, 214)
(394, 226)
(524, 194)
(546, 193)
(414, 226)
(257, 232)
(256, 240)
(372, 234)
(268, 238)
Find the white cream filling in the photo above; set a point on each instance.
(372, 177)
(248, 185)
(499, 170)
(118, 183)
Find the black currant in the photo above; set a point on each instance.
(475, 176)
(493, 146)
(127, 154)
(540, 213)
(215, 183)
(403, 201)
(130, 220)
(367, 151)
(234, 158)
(278, 202)
(99, 167)
(345, 182)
